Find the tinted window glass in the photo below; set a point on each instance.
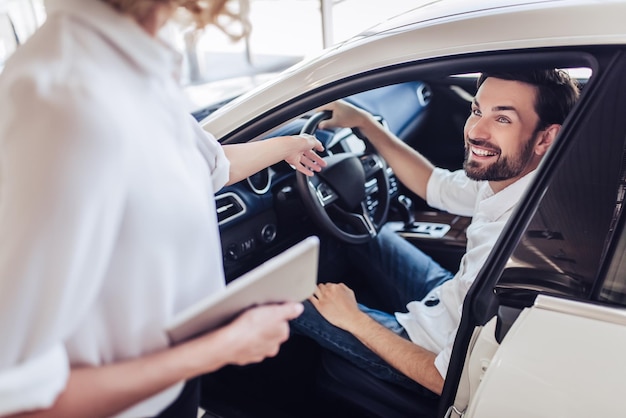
(613, 289)
(565, 243)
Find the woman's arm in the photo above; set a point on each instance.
(249, 158)
(107, 390)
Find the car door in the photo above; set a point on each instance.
(556, 282)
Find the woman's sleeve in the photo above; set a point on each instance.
(214, 155)
(61, 200)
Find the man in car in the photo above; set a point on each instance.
(514, 119)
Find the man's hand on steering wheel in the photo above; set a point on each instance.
(349, 198)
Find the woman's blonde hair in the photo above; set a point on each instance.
(198, 13)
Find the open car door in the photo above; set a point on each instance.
(543, 332)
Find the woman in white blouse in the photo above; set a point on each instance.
(108, 221)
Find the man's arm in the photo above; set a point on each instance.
(412, 168)
(404, 355)
(336, 302)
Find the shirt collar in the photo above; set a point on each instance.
(495, 205)
(150, 55)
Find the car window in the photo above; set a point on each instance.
(568, 239)
(613, 288)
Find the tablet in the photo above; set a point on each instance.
(289, 276)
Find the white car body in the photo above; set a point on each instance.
(534, 372)
(548, 378)
(470, 27)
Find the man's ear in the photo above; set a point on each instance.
(546, 138)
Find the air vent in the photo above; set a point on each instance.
(261, 181)
(229, 206)
(424, 94)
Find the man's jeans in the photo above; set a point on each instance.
(399, 273)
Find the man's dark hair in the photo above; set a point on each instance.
(556, 92)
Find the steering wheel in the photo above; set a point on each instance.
(349, 198)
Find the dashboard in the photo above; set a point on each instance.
(264, 214)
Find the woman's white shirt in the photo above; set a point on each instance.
(107, 211)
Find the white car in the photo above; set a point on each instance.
(543, 332)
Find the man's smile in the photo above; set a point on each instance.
(482, 152)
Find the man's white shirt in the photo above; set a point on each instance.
(432, 322)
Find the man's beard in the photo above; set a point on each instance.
(504, 168)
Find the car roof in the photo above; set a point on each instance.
(437, 29)
(432, 11)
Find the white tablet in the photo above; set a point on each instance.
(289, 276)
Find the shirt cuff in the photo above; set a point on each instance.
(442, 361)
(35, 383)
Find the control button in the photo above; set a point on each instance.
(237, 250)
(232, 252)
(268, 233)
